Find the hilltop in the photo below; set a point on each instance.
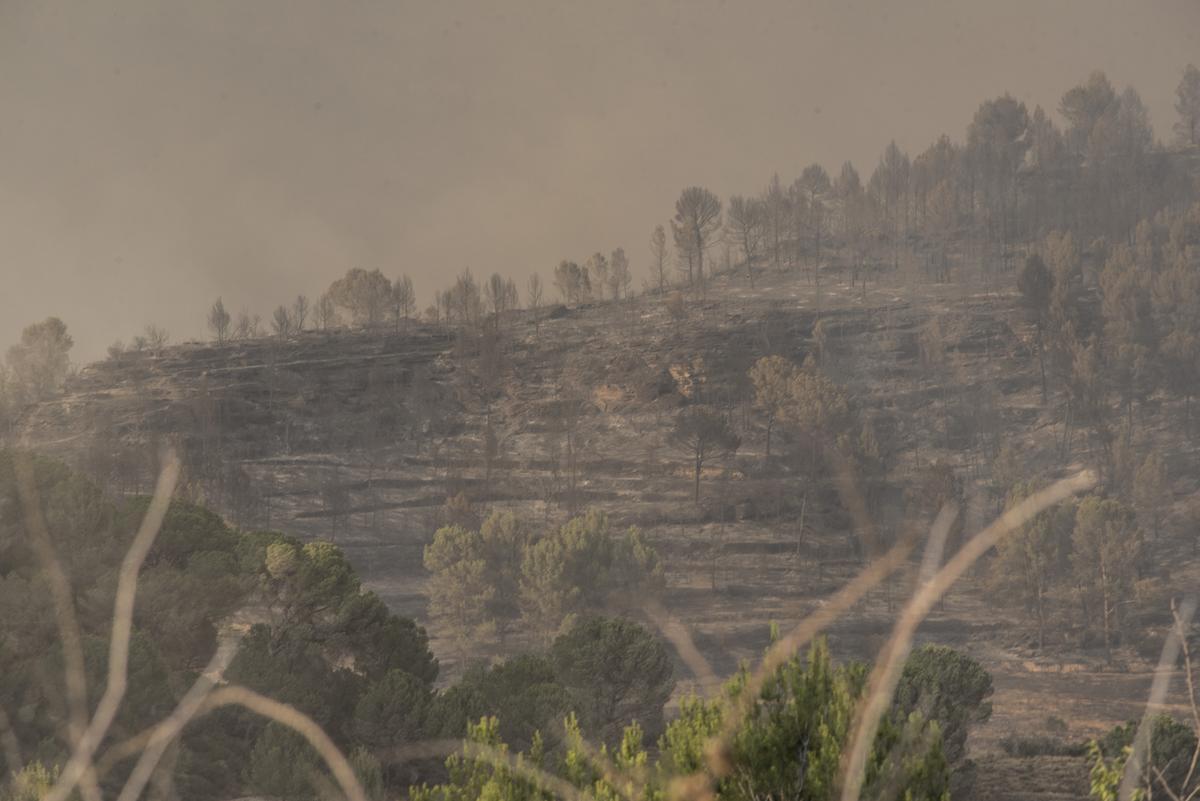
(362, 437)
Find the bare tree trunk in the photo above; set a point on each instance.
(1041, 360)
(1106, 610)
(1041, 615)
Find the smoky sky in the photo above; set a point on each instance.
(155, 155)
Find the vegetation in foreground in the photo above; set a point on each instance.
(313, 638)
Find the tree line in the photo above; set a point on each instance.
(1017, 178)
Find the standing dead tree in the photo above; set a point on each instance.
(696, 225)
(703, 434)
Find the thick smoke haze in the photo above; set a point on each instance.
(158, 154)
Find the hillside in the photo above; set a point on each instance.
(362, 437)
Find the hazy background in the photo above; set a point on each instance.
(158, 154)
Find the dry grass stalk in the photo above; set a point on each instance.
(885, 672)
(191, 705)
(1158, 693)
(785, 647)
(80, 761)
(203, 696)
(1162, 783)
(1181, 632)
(74, 674)
(165, 732)
(679, 636)
(301, 723)
(882, 683)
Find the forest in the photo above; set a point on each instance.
(805, 514)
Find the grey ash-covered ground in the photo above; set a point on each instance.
(361, 437)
